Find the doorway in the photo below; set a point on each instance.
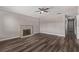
(71, 26)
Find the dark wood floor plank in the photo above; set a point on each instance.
(40, 43)
(35, 45)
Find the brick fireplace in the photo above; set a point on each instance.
(26, 30)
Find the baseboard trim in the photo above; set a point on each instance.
(55, 34)
(9, 38)
(24, 37)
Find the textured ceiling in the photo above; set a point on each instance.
(30, 10)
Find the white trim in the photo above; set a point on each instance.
(9, 38)
(28, 36)
(56, 34)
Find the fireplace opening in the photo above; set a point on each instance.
(26, 32)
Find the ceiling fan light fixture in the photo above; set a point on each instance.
(43, 10)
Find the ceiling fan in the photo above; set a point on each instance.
(46, 10)
(42, 10)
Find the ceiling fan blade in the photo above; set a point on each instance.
(40, 8)
(38, 12)
(46, 8)
(45, 11)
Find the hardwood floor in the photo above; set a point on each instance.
(40, 43)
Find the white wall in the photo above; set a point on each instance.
(10, 24)
(54, 25)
